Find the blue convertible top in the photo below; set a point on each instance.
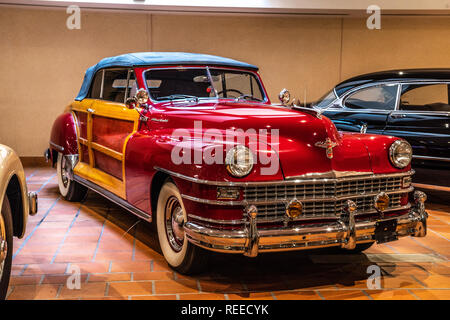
(157, 59)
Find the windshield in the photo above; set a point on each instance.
(326, 100)
(186, 83)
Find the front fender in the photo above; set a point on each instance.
(146, 152)
(63, 137)
(10, 165)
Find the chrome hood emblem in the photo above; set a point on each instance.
(328, 145)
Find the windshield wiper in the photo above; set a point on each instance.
(248, 97)
(178, 96)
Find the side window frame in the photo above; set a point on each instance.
(406, 83)
(368, 86)
(128, 88)
(102, 71)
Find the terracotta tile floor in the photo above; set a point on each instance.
(118, 258)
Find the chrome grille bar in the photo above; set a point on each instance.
(324, 199)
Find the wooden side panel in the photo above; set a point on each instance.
(110, 133)
(108, 164)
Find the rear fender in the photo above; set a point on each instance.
(63, 137)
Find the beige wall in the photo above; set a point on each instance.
(43, 63)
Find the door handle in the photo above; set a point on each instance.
(90, 110)
(397, 116)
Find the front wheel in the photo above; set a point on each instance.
(6, 246)
(69, 189)
(179, 253)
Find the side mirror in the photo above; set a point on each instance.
(139, 100)
(141, 96)
(131, 103)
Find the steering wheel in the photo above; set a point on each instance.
(232, 90)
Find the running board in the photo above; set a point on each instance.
(112, 197)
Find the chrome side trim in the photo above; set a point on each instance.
(56, 146)
(214, 202)
(216, 220)
(431, 158)
(273, 201)
(113, 198)
(278, 182)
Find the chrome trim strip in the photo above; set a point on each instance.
(333, 174)
(216, 220)
(214, 202)
(113, 198)
(274, 201)
(56, 146)
(311, 217)
(431, 158)
(301, 218)
(278, 182)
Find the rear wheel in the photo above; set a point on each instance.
(6, 247)
(179, 253)
(69, 189)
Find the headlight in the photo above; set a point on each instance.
(239, 161)
(400, 153)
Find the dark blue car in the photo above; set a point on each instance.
(411, 104)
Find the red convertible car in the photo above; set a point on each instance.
(193, 143)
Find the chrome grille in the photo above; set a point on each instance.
(323, 198)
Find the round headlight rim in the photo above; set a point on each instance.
(392, 149)
(229, 166)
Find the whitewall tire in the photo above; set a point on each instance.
(69, 189)
(179, 253)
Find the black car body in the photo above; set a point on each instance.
(411, 104)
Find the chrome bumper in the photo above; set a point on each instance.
(33, 203)
(343, 232)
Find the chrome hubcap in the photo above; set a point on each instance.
(174, 221)
(65, 171)
(3, 245)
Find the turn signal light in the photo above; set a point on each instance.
(225, 193)
(294, 209)
(381, 201)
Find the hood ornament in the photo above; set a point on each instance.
(285, 99)
(328, 145)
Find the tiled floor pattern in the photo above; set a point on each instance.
(118, 258)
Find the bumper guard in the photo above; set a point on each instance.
(344, 232)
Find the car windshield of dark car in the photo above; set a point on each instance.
(326, 100)
(200, 83)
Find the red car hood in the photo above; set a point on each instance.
(301, 147)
